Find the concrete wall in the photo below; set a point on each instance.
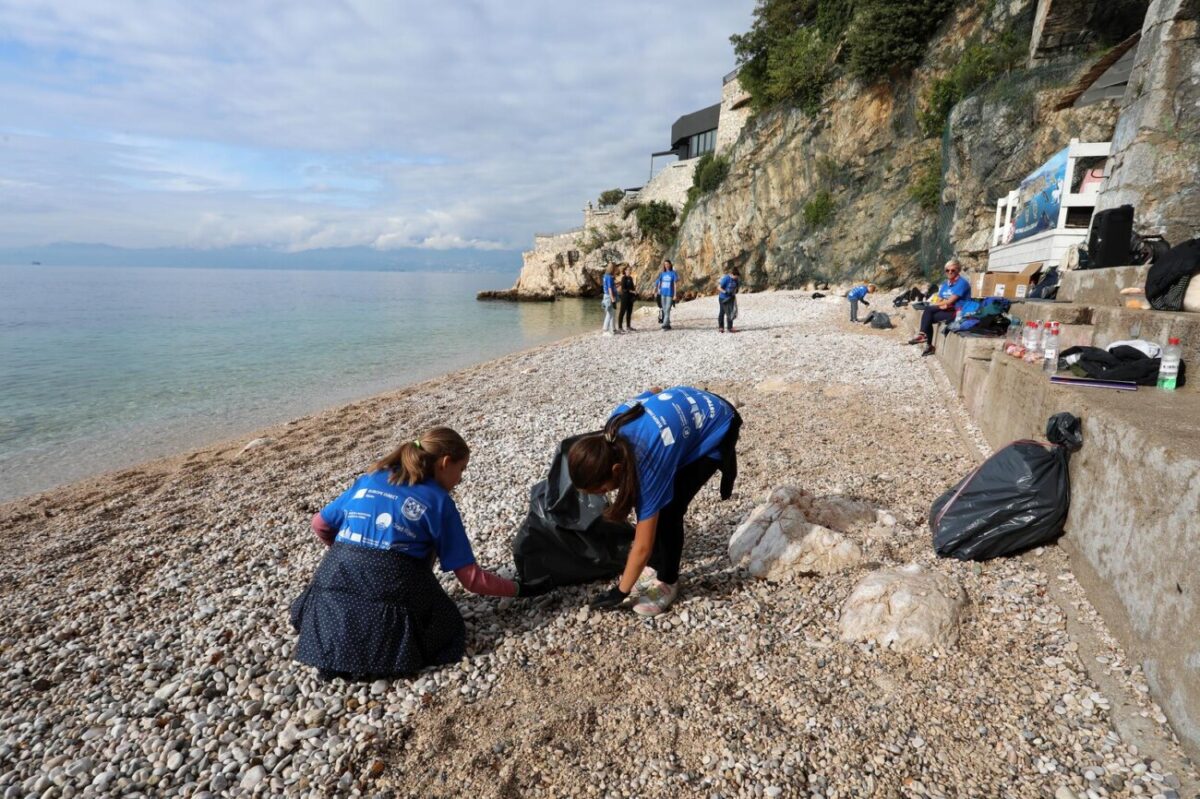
(670, 185)
(732, 119)
(1134, 527)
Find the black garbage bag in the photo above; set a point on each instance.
(565, 539)
(1015, 500)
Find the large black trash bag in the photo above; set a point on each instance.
(1015, 500)
(565, 539)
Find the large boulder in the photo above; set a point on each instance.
(777, 540)
(906, 608)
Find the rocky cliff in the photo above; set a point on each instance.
(830, 196)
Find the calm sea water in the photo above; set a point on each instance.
(107, 367)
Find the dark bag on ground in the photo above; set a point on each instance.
(1015, 500)
(878, 320)
(1168, 279)
(565, 539)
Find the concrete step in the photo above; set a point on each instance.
(1100, 286)
(1133, 532)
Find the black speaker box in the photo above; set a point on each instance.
(1108, 244)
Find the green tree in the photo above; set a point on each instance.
(890, 36)
(799, 69)
(819, 209)
(611, 197)
(656, 219)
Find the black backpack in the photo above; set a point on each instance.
(1168, 279)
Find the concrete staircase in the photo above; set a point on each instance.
(1133, 532)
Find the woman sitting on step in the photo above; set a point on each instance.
(944, 306)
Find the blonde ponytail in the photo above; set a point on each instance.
(413, 461)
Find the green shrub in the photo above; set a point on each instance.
(975, 66)
(799, 69)
(709, 174)
(629, 208)
(783, 58)
(819, 209)
(711, 171)
(890, 36)
(611, 197)
(656, 219)
(926, 186)
(612, 232)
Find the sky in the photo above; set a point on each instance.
(335, 123)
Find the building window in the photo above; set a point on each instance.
(702, 143)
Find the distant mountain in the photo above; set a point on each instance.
(409, 259)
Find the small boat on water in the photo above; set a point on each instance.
(35, 263)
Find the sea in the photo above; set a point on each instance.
(107, 367)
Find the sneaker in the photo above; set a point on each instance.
(720, 330)
(656, 599)
(731, 330)
(930, 350)
(917, 339)
(647, 579)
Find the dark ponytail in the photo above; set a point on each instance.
(591, 459)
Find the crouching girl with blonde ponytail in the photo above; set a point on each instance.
(374, 608)
(657, 451)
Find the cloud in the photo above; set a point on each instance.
(296, 125)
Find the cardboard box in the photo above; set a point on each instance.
(1013, 285)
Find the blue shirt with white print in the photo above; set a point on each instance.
(857, 293)
(413, 519)
(681, 425)
(666, 283)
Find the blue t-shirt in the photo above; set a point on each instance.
(680, 425)
(413, 519)
(609, 286)
(728, 285)
(857, 293)
(666, 283)
(960, 288)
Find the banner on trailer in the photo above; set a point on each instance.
(1040, 196)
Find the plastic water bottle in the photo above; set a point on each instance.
(1050, 349)
(1033, 348)
(1168, 370)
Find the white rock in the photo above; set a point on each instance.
(255, 444)
(777, 541)
(253, 777)
(907, 609)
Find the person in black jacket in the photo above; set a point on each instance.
(628, 295)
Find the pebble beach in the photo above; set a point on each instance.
(146, 648)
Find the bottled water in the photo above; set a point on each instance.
(1168, 370)
(1050, 349)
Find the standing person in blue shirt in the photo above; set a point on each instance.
(668, 280)
(374, 608)
(856, 295)
(942, 308)
(656, 451)
(608, 301)
(727, 298)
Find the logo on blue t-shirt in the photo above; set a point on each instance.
(412, 509)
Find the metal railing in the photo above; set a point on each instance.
(731, 75)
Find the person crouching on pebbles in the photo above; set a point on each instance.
(374, 608)
(656, 452)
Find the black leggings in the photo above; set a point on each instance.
(668, 538)
(625, 313)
